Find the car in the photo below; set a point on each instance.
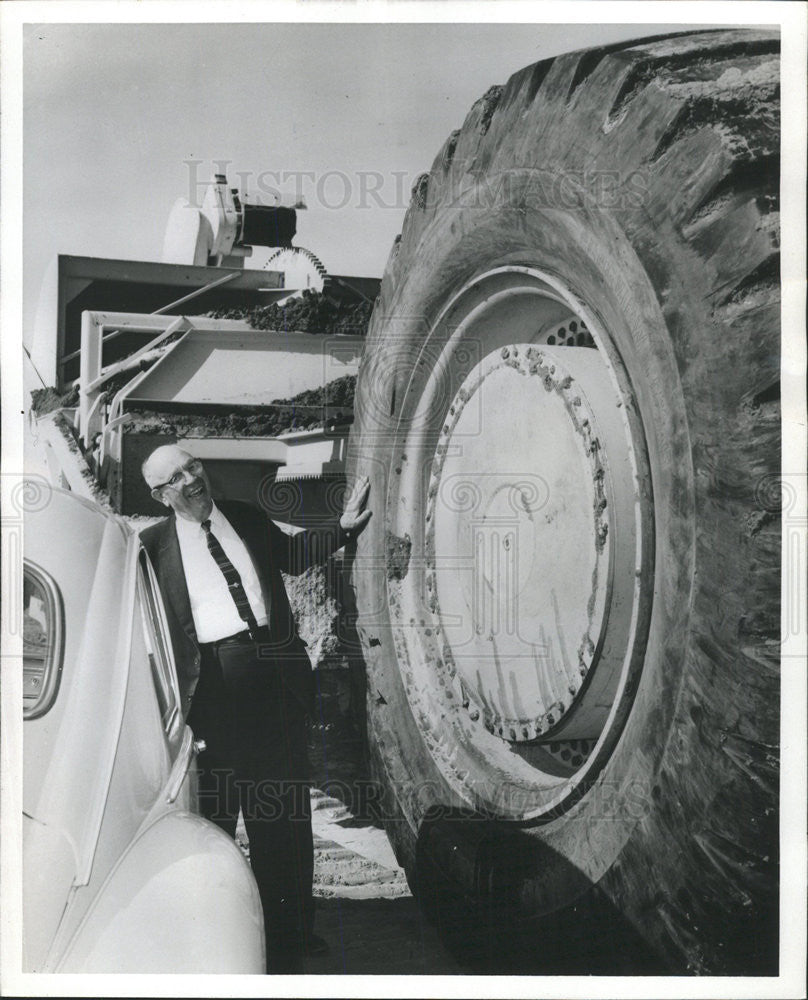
(120, 873)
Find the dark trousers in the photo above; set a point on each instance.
(256, 760)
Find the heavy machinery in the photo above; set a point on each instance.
(230, 358)
(224, 228)
(568, 595)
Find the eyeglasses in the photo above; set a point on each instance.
(193, 468)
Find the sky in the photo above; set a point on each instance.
(121, 120)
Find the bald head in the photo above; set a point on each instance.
(167, 456)
(178, 480)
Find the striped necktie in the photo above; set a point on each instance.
(231, 575)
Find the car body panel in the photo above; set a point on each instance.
(92, 692)
(75, 550)
(49, 866)
(148, 918)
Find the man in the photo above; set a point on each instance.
(245, 677)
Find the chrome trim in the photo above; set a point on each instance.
(181, 766)
(54, 663)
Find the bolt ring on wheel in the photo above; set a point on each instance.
(521, 618)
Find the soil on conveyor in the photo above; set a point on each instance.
(328, 406)
(311, 312)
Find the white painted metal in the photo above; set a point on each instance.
(92, 375)
(521, 554)
(224, 362)
(224, 280)
(128, 362)
(298, 456)
(194, 235)
(248, 367)
(183, 900)
(188, 236)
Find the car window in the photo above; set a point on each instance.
(42, 624)
(161, 660)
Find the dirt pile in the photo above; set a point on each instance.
(312, 312)
(328, 406)
(49, 399)
(316, 615)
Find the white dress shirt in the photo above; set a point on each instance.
(213, 608)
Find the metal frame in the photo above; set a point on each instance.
(76, 273)
(97, 328)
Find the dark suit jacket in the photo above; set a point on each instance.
(272, 551)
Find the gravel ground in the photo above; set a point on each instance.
(365, 910)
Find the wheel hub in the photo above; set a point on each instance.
(518, 580)
(520, 532)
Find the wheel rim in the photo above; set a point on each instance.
(519, 620)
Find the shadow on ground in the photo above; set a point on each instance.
(379, 936)
(374, 926)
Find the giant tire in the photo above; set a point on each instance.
(637, 184)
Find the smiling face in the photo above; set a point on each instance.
(179, 481)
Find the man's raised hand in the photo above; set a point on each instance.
(355, 516)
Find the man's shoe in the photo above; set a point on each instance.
(316, 945)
